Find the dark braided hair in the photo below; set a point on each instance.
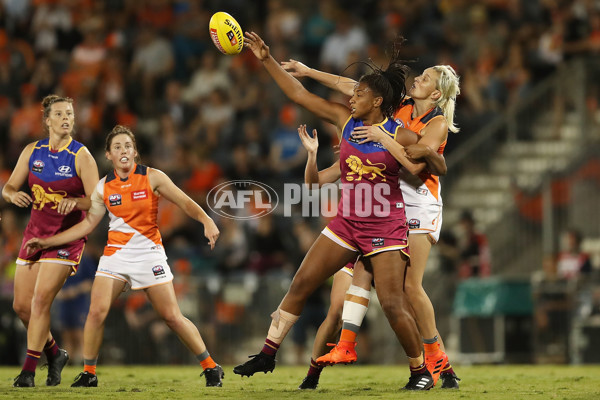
(390, 83)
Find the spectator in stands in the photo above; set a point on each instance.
(572, 262)
(474, 251)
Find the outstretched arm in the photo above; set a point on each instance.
(75, 232)
(331, 112)
(336, 82)
(163, 185)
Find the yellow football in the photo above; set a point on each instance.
(226, 33)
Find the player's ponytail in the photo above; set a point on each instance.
(390, 83)
(448, 85)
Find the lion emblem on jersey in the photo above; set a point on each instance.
(358, 168)
(41, 197)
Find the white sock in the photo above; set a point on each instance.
(356, 304)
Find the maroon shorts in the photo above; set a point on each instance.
(368, 238)
(349, 268)
(68, 254)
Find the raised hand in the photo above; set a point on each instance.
(311, 144)
(368, 134)
(295, 68)
(257, 45)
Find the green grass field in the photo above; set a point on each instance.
(359, 382)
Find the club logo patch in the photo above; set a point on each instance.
(414, 223)
(377, 242)
(139, 195)
(158, 270)
(38, 166)
(63, 254)
(114, 199)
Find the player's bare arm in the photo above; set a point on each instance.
(11, 192)
(336, 82)
(331, 112)
(88, 172)
(164, 186)
(75, 232)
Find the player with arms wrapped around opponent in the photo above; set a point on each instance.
(134, 256)
(61, 174)
(370, 220)
(429, 112)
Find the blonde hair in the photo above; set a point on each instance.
(448, 85)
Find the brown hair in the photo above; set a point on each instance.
(122, 130)
(47, 105)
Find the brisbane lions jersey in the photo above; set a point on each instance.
(369, 177)
(52, 177)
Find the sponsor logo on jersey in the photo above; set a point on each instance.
(414, 223)
(63, 254)
(114, 199)
(139, 195)
(422, 192)
(64, 170)
(377, 242)
(158, 270)
(38, 166)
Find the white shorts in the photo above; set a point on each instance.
(426, 218)
(138, 274)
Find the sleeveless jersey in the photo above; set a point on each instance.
(424, 188)
(369, 177)
(52, 177)
(133, 211)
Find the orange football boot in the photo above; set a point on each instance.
(342, 353)
(434, 363)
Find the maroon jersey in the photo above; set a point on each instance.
(53, 176)
(369, 178)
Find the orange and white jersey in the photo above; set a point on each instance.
(133, 210)
(425, 188)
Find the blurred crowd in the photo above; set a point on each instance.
(205, 118)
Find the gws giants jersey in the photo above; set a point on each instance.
(133, 208)
(369, 177)
(424, 188)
